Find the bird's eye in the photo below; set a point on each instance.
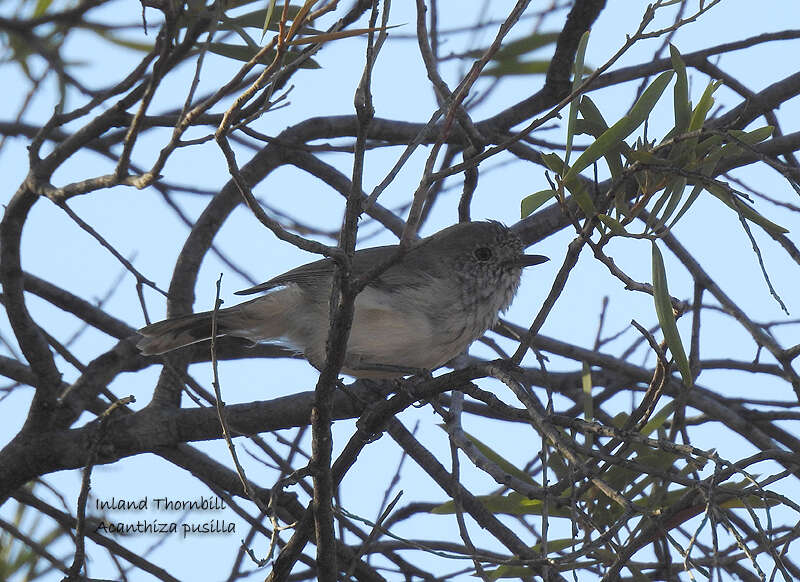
(483, 253)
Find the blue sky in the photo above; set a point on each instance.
(150, 234)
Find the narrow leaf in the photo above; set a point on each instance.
(511, 504)
(666, 317)
(653, 221)
(612, 223)
(677, 186)
(745, 210)
(703, 106)
(755, 136)
(327, 36)
(706, 147)
(256, 19)
(745, 138)
(586, 384)
(554, 163)
(517, 48)
(514, 67)
(753, 501)
(231, 4)
(130, 44)
(646, 157)
(268, 18)
(525, 45)
(624, 127)
(574, 185)
(41, 7)
(576, 81)
(240, 52)
(500, 461)
(591, 114)
(529, 572)
(686, 205)
(680, 92)
(530, 203)
(658, 419)
(245, 53)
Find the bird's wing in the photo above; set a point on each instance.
(306, 275)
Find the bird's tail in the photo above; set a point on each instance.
(251, 320)
(170, 334)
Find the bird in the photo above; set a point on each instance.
(426, 308)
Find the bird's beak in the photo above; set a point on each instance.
(529, 260)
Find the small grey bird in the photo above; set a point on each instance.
(424, 310)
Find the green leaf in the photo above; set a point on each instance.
(240, 52)
(268, 17)
(525, 572)
(521, 572)
(554, 163)
(575, 184)
(694, 152)
(555, 545)
(745, 138)
(576, 81)
(658, 419)
(624, 127)
(514, 67)
(515, 49)
(245, 53)
(597, 125)
(519, 47)
(680, 92)
(658, 459)
(256, 19)
(755, 136)
(41, 7)
(16, 556)
(130, 44)
(323, 37)
(525, 45)
(500, 461)
(511, 504)
(621, 478)
(557, 463)
(708, 152)
(586, 384)
(620, 419)
(646, 157)
(612, 223)
(721, 191)
(711, 151)
(686, 205)
(584, 126)
(676, 187)
(707, 167)
(530, 203)
(231, 4)
(703, 106)
(753, 501)
(666, 317)
(707, 147)
(653, 221)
